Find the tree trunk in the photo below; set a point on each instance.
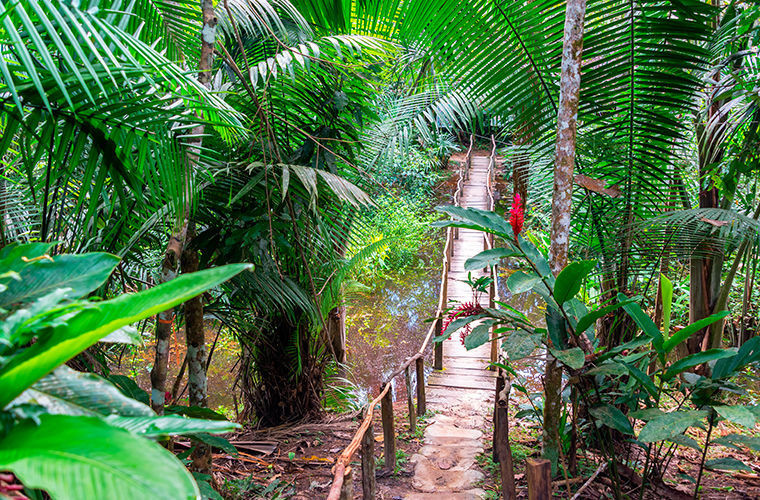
(564, 162)
(196, 353)
(567, 115)
(336, 332)
(173, 251)
(164, 324)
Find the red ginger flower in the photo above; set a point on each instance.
(517, 215)
(463, 310)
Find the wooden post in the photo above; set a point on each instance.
(389, 434)
(420, 365)
(347, 490)
(494, 342)
(539, 473)
(438, 348)
(368, 464)
(501, 437)
(410, 402)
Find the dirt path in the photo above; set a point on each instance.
(460, 395)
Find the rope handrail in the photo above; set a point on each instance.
(343, 460)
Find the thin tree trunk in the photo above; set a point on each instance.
(164, 324)
(567, 116)
(174, 249)
(564, 162)
(196, 353)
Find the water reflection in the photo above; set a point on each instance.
(387, 325)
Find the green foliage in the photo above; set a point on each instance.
(240, 489)
(627, 381)
(400, 228)
(71, 434)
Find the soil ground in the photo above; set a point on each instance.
(306, 474)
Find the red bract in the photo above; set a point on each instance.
(517, 215)
(463, 310)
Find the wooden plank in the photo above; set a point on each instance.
(463, 384)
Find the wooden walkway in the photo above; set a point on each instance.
(465, 369)
(461, 395)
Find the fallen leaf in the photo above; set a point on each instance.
(716, 223)
(597, 186)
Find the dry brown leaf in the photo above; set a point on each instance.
(597, 186)
(716, 223)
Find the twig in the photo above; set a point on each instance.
(590, 480)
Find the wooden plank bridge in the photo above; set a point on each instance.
(460, 390)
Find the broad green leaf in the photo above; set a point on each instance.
(574, 357)
(215, 441)
(684, 440)
(556, 328)
(519, 282)
(666, 288)
(688, 331)
(90, 325)
(80, 274)
(194, 412)
(735, 440)
(727, 463)
(665, 426)
(747, 353)
(456, 325)
(488, 258)
(643, 379)
(521, 344)
(737, 414)
(124, 335)
(646, 414)
(537, 258)
(69, 392)
(643, 321)
(612, 417)
(479, 336)
(589, 319)
(170, 425)
(570, 280)
(694, 360)
(129, 388)
(610, 368)
(11, 254)
(75, 458)
(628, 346)
(474, 218)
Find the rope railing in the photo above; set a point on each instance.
(488, 242)
(342, 485)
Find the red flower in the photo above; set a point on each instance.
(517, 215)
(463, 310)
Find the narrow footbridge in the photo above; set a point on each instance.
(462, 386)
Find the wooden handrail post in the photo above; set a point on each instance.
(420, 366)
(410, 402)
(539, 474)
(438, 348)
(389, 433)
(368, 464)
(491, 304)
(501, 447)
(347, 490)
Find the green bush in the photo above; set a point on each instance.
(76, 435)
